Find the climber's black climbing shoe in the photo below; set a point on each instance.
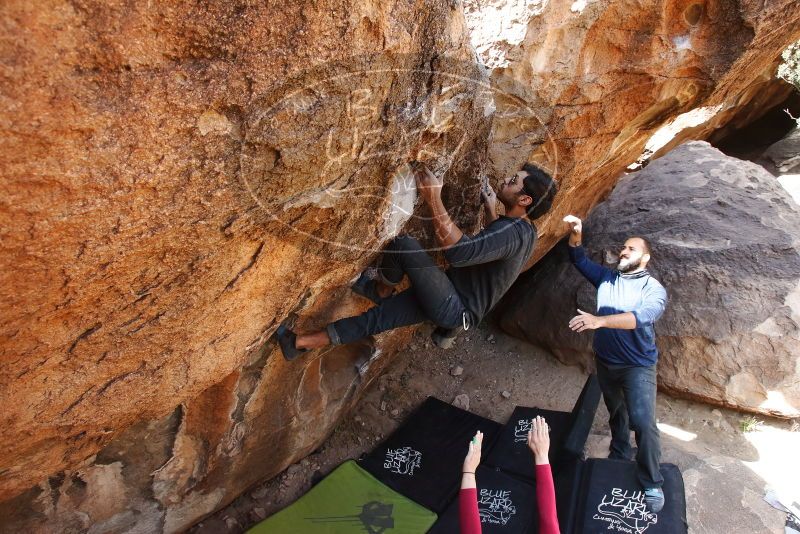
(286, 340)
(444, 338)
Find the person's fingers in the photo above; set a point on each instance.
(578, 326)
(581, 312)
(573, 222)
(579, 323)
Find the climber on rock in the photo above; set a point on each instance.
(629, 302)
(482, 267)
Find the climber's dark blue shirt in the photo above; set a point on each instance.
(638, 293)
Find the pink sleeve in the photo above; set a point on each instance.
(468, 511)
(546, 499)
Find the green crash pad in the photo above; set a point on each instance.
(349, 500)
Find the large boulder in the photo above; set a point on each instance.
(782, 159)
(178, 180)
(784, 155)
(725, 246)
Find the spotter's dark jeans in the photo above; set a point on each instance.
(431, 296)
(629, 392)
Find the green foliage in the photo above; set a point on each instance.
(750, 424)
(789, 69)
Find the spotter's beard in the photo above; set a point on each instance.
(632, 265)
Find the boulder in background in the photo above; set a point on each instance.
(726, 247)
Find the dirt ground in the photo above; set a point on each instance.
(725, 470)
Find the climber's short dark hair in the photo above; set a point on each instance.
(541, 187)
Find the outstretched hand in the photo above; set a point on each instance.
(585, 321)
(473, 457)
(575, 224)
(539, 440)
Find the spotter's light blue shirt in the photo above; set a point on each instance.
(638, 293)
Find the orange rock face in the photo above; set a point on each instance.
(179, 179)
(587, 85)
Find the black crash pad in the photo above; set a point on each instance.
(422, 459)
(568, 434)
(610, 500)
(507, 505)
(568, 488)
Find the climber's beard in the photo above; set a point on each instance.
(627, 265)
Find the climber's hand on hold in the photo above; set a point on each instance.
(488, 194)
(428, 184)
(489, 198)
